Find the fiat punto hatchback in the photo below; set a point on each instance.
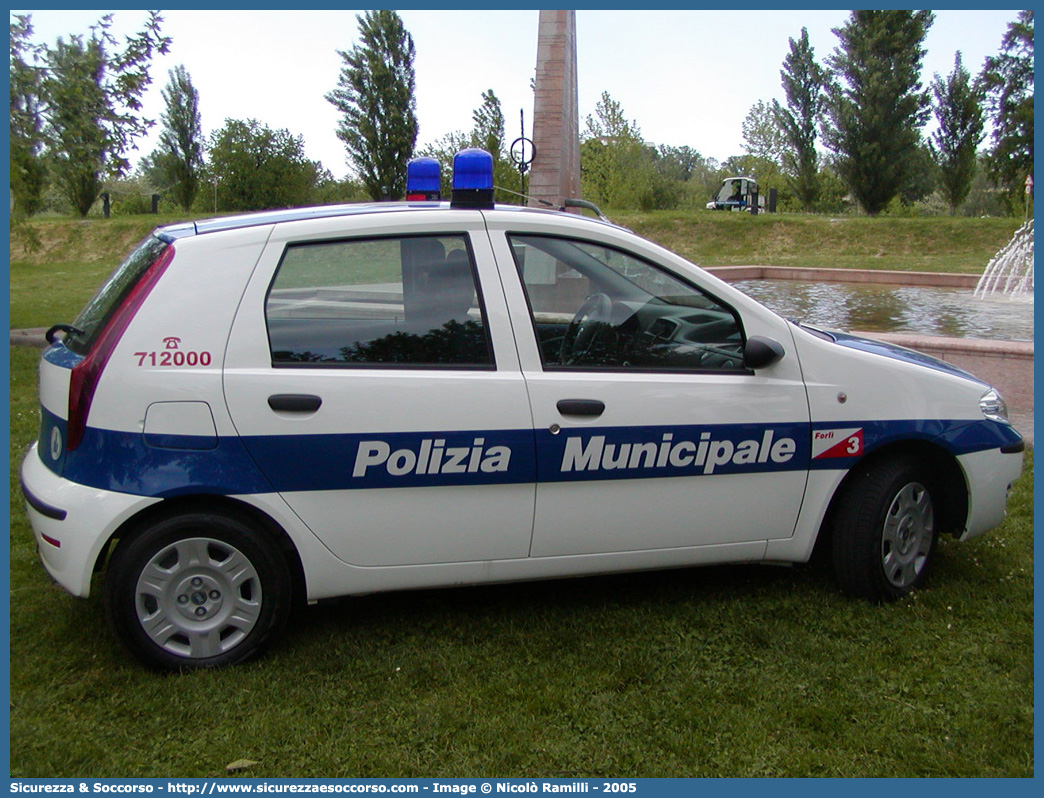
(341, 400)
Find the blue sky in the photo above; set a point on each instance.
(687, 77)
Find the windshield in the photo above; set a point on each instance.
(731, 190)
(99, 310)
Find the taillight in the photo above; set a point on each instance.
(85, 375)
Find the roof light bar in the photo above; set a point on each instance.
(423, 180)
(472, 179)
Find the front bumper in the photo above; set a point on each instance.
(72, 523)
(990, 475)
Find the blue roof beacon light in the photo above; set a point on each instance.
(423, 180)
(472, 179)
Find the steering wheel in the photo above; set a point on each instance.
(583, 330)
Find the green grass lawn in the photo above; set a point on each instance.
(723, 671)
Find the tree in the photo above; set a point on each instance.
(876, 114)
(179, 159)
(956, 142)
(680, 163)
(616, 169)
(375, 95)
(803, 84)
(694, 177)
(922, 177)
(610, 124)
(984, 198)
(488, 132)
(258, 168)
(1007, 79)
(443, 150)
(762, 135)
(28, 173)
(93, 96)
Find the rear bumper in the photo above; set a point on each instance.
(72, 523)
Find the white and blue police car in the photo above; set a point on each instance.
(341, 400)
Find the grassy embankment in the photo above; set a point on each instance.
(849, 242)
(725, 671)
(77, 255)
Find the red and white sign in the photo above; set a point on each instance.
(837, 442)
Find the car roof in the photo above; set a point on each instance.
(224, 223)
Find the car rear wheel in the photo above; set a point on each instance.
(884, 532)
(197, 591)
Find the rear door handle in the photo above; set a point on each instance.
(295, 402)
(580, 407)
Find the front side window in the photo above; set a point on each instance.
(410, 301)
(596, 307)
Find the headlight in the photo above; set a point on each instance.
(993, 406)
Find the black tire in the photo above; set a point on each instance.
(884, 530)
(198, 590)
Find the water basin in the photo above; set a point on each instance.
(919, 310)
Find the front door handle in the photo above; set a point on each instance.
(580, 407)
(295, 402)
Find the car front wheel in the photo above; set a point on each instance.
(885, 531)
(196, 591)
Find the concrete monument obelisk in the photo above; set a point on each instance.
(555, 172)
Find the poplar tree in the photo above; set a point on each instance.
(799, 121)
(179, 159)
(375, 95)
(876, 104)
(955, 144)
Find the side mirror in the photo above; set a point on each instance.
(761, 352)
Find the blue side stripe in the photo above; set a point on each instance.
(329, 462)
(125, 462)
(667, 451)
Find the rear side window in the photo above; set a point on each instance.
(410, 301)
(110, 296)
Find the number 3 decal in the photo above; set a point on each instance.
(837, 443)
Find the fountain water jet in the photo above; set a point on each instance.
(1010, 272)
